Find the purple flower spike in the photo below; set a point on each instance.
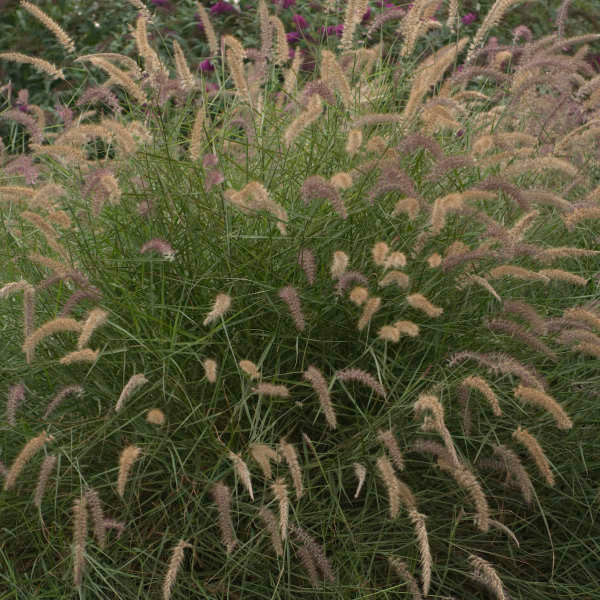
(300, 22)
(469, 18)
(292, 37)
(206, 66)
(222, 7)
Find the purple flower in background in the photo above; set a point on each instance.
(285, 3)
(221, 7)
(300, 22)
(292, 37)
(333, 30)
(206, 66)
(469, 18)
(367, 15)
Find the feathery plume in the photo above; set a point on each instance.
(208, 29)
(197, 137)
(316, 552)
(95, 319)
(313, 111)
(270, 389)
(65, 391)
(469, 482)
(341, 180)
(402, 280)
(578, 313)
(183, 71)
(80, 529)
(161, 246)
(250, 369)
(220, 307)
(391, 483)
(93, 500)
(362, 377)
(361, 473)
(49, 328)
(45, 471)
(389, 333)
(270, 522)
(402, 571)
(134, 382)
(419, 302)
(241, 468)
(319, 384)
(539, 398)
(528, 313)
(222, 496)
(155, 416)
(536, 452)
(309, 564)
(174, 564)
(210, 370)
(126, 459)
(483, 572)
(25, 455)
(515, 470)
(516, 331)
(418, 520)
(262, 454)
(283, 50)
(559, 274)
(407, 328)
(306, 259)
(389, 441)
(332, 73)
(480, 384)
(85, 355)
(280, 492)
(16, 395)
(339, 264)
(379, 252)
(61, 35)
(290, 296)
(291, 458)
(395, 260)
(359, 295)
(48, 232)
(371, 307)
(41, 65)
(354, 141)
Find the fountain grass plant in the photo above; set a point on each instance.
(321, 335)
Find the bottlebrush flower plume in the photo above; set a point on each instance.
(290, 296)
(288, 452)
(134, 382)
(27, 452)
(361, 473)
(128, 456)
(339, 264)
(270, 389)
(536, 452)
(319, 384)
(420, 302)
(155, 416)
(250, 369)
(241, 468)
(263, 455)
(221, 305)
(161, 246)
(210, 370)
(362, 377)
(174, 565)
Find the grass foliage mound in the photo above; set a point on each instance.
(327, 333)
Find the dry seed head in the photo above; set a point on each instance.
(280, 492)
(361, 474)
(61, 35)
(434, 261)
(306, 259)
(481, 384)
(183, 71)
(69, 389)
(290, 296)
(128, 456)
(389, 333)
(386, 471)
(174, 564)
(222, 496)
(410, 206)
(283, 50)
(241, 468)
(339, 264)
(85, 355)
(155, 416)
(419, 302)
(80, 529)
(341, 181)
(210, 370)
(208, 29)
(95, 504)
(517, 272)
(539, 398)
(389, 441)
(291, 458)
(395, 260)
(359, 295)
(270, 389)
(27, 452)
(379, 252)
(515, 470)
(560, 275)
(313, 111)
(319, 384)
(418, 520)
(483, 571)
(16, 395)
(221, 305)
(362, 377)
(250, 369)
(309, 564)
(371, 307)
(354, 141)
(316, 552)
(45, 471)
(402, 570)
(398, 278)
(272, 527)
(197, 137)
(41, 65)
(407, 328)
(96, 318)
(331, 73)
(536, 452)
(262, 454)
(134, 382)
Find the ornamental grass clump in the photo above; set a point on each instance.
(361, 283)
